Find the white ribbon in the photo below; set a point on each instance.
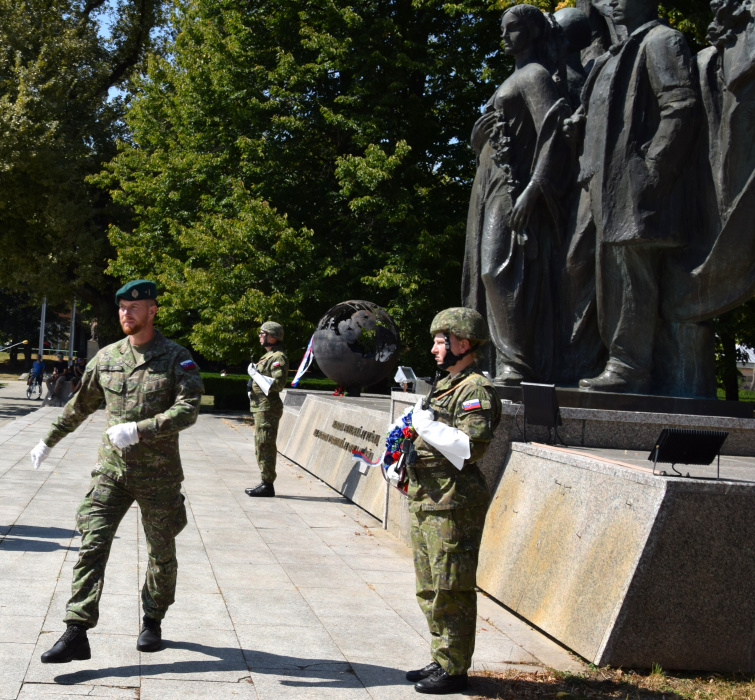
(260, 380)
(452, 443)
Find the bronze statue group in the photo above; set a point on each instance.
(609, 218)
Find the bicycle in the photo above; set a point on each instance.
(34, 379)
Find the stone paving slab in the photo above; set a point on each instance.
(301, 596)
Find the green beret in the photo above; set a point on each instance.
(138, 289)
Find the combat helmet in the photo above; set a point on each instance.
(273, 329)
(463, 323)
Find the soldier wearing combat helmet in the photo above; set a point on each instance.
(448, 497)
(151, 389)
(268, 377)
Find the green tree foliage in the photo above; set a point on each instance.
(57, 124)
(328, 140)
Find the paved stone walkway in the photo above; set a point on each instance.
(301, 596)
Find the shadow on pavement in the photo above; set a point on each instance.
(31, 538)
(22, 409)
(10, 544)
(328, 673)
(320, 499)
(48, 533)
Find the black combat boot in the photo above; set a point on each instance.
(73, 645)
(263, 489)
(441, 683)
(150, 638)
(422, 673)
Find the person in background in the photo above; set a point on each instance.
(268, 377)
(59, 372)
(78, 373)
(38, 374)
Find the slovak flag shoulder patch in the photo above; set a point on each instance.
(188, 364)
(471, 405)
(276, 363)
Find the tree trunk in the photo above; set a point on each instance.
(729, 371)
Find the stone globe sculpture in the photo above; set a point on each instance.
(356, 344)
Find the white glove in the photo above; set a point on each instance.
(252, 370)
(392, 474)
(422, 415)
(123, 435)
(39, 454)
(262, 382)
(249, 394)
(452, 443)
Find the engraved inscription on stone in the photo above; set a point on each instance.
(344, 444)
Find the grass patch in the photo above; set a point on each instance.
(313, 383)
(229, 393)
(612, 683)
(744, 395)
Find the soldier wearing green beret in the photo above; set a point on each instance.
(448, 497)
(267, 379)
(152, 390)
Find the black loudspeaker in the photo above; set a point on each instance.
(541, 407)
(688, 446)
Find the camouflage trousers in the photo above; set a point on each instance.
(97, 519)
(265, 446)
(446, 545)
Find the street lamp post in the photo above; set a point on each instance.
(42, 328)
(70, 341)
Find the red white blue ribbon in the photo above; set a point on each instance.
(359, 456)
(305, 363)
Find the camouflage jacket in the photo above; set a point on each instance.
(468, 402)
(273, 363)
(161, 395)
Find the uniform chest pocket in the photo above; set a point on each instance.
(442, 408)
(156, 380)
(112, 380)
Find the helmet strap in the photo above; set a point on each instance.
(268, 339)
(452, 358)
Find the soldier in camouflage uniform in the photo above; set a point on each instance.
(151, 389)
(268, 378)
(448, 497)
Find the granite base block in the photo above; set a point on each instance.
(623, 567)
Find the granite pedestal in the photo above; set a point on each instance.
(621, 566)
